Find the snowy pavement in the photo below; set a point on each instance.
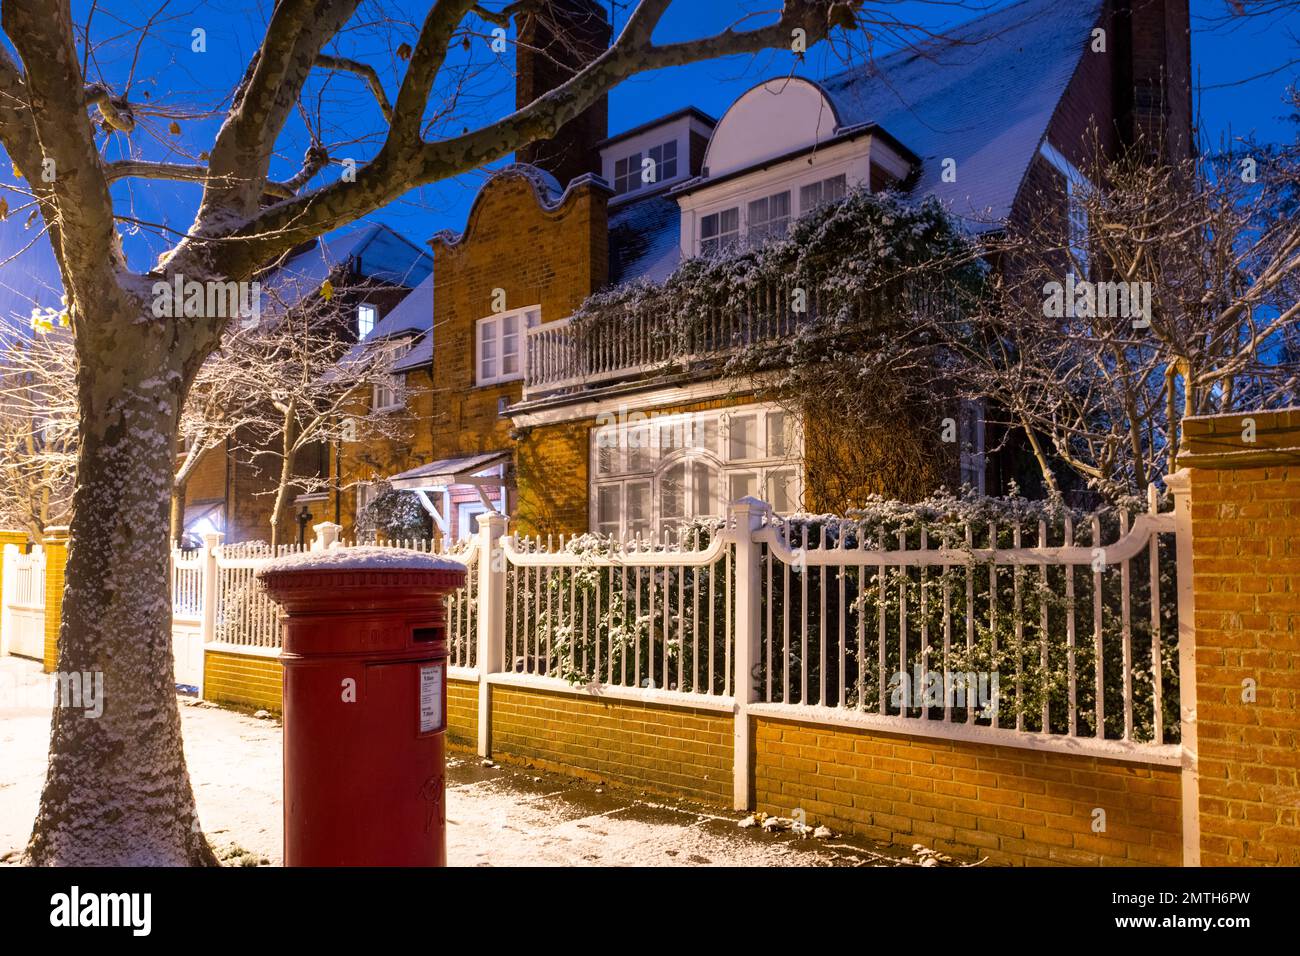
(498, 815)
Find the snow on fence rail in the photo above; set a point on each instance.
(1062, 629)
(627, 614)
(1056, 630)
(1025, 620)
(245, 617)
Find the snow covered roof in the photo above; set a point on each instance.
(446, 471)
(644, 240)
(374, 250)
(982, 94)
(412, 316)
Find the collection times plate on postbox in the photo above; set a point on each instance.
(431, 697)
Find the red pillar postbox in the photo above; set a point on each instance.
(365, 705)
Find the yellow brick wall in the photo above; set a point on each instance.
(462, 713)
(551, 467)
(56, 560)
(674, 750)
(207, 481)
(243, 680)
(1012, 806)
(1245, 509)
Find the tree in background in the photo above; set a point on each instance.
(1184, 299)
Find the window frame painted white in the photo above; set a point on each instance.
(391, 385)
(497, 320)
(618, 439)
(851, 159)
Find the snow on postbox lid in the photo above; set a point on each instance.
(360, 578)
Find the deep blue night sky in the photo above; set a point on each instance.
(1224, 50)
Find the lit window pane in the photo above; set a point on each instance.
(769, 217)
(742, 442)
(608, 500)
(672, 493)
(706, 489)
(366, 316)
(606, 453)
(638, 508)
(487, 350)
(741, 484)
(780, 490)
(638, 449)
(776, 435)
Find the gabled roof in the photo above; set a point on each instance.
(982, 95)
(374, 250)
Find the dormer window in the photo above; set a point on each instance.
(636, 171)
(719, 231)
(627, 174)
(769, 217)
(664, 158)
(367, 315)
(822, 192)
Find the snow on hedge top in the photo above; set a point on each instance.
(361, 559)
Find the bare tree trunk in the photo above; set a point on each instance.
(288, 438)
(117, 791)
(177, 524)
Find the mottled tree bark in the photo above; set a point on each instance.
(117, 791)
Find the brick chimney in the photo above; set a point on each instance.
(554, 43)
(1154, 77)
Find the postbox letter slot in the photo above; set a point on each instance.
(424, 635)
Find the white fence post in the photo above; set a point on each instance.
(208, 623)
(747, 519)
(1180, 484)
(327, 535)
(491, 572)
(9, 568)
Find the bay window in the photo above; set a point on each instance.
(651, 476)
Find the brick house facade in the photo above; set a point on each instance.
(1013, 102)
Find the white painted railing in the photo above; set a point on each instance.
(244, 618)
(187, 585)
(1056, 632)
(1031, 633)
(630, 340)
(623, 614)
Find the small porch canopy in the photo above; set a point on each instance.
(438, 478)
